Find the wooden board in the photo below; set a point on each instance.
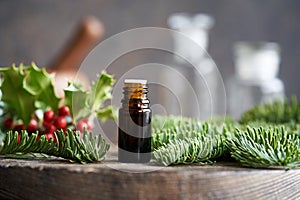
(59, 179)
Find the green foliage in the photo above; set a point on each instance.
(266, 147)
(23, 86)
(165, 122)
(91, 102)
(184, 140)
(25, 89)
(275, 112)
(39, 83)
(173, 128)
(100, 91)
(107, 113)
(178, 140)
(82, 150)
(201, 149)
(76, 99)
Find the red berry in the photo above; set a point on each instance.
(46, 124)
(50, 129)
(32, 125)
(49, 116)
(81, 125)
(64, 111)
(8, 123)
(90, 124)
(60, 122)
(19, 139)
(51, 135)
(19, 127)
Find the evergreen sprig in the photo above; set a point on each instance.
(187, 141)
(190, 150)
(196, 129)
(165, 135)
(69, 145)
(286, 111)
(166, 122)
(266, 147)
(258, 144)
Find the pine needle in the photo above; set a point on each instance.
(286, 111)
(190, 150)
(69, 145)
(266, 147)
(258, 145)
(186, 141)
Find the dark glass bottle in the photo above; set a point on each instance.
(134, 137)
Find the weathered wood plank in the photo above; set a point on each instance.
(58, 179)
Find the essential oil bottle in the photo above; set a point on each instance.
(134, 134)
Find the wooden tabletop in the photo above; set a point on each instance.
(59, 179)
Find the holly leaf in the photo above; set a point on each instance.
(14, 95)
(76, 99)
(40, 84)
(22, 87)
(100, 91)
(86, 103)
(106, 113)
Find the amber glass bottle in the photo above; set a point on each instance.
(134, 138)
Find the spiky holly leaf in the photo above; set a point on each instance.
(75, 98)
(14, 94)
(23, 86)
(39, 83)
(101, 91)
(86, 103)
(107, 113)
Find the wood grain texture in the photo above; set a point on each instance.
(59, 179)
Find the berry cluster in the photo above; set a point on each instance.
(50, 123)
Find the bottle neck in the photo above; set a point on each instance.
(135, 96)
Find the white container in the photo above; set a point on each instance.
(194, 78)
(255, 80)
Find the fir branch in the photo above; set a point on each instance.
(165, 135)
(266, 147)
(190, 150)
(260, 145)
(167, 128)
(70, 146)
(165, 122)
(275, 112)
(188, 141)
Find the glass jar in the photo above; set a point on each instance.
(255, 80)
(194, 75)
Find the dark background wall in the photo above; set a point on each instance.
(35, 30)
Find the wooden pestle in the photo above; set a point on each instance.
(89, 34)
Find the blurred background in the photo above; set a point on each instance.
(38, 31)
